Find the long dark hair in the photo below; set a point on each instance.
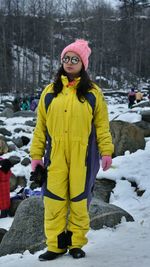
(83, 86)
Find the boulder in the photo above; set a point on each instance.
(3, 146)
(145, 115)
(26, 231)
(25, 162)
(7, 112)
(2, 233)
(145, 126)
(5, 132)
(17, 141)
(11, 146)
(13, 182)
(24, 113)
(14, 160)
(25, 140)
(103, 214)
(31, 123)
(21, 181)
(18, 130)
(2, 123)
(103, 189)
(126, 137)
(14, 203)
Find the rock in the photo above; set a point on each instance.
(18, 142)
(7, 112)
(145, 126)
(14, 160)
(18, 130)
(26, 231)
(14, 203)
(21, 181)
(26, 113)
(25, 140)
(16, 181)
(101, 212)
(142, 104)
(145, 115)
(5, 132)
(1, 122)
(34, 185)
(2, 233)
(13, 182)
(27, 150)
(31, 123)
(103, 188)
(126, 137)
(25, 162)
(11, 146)
(104, 214)
(3, 146)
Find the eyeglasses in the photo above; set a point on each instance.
(74, 60)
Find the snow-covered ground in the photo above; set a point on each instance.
(126, 245)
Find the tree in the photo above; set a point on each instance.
(6, 71)
(132, 7)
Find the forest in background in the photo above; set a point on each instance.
(34, 32)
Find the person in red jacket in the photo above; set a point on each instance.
(5, 174)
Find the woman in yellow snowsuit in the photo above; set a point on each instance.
(71, 113)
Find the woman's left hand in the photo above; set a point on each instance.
(106, 162)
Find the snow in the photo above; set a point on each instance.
(128, 243)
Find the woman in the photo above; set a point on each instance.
(66, 113)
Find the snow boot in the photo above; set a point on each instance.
(50, 255)
(77, 253)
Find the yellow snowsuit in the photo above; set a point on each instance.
(66, 123)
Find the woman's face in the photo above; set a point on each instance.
(72, 64)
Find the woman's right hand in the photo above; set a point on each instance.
(36, 162)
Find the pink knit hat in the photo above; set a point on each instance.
(80, 47)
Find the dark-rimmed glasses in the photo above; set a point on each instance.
(74, 60)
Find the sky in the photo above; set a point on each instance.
(113, 3)
(128, 243)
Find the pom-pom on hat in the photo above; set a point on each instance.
(80, 47)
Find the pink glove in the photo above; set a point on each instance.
(36, 162)
(106, 162)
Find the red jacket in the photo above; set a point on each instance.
(4, 190)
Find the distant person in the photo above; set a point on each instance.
(25, 104)
(149, 96)
(72, 125)
(131, 98)
(16, 104)
(5, 175)
(34, 103)
(138, 96)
